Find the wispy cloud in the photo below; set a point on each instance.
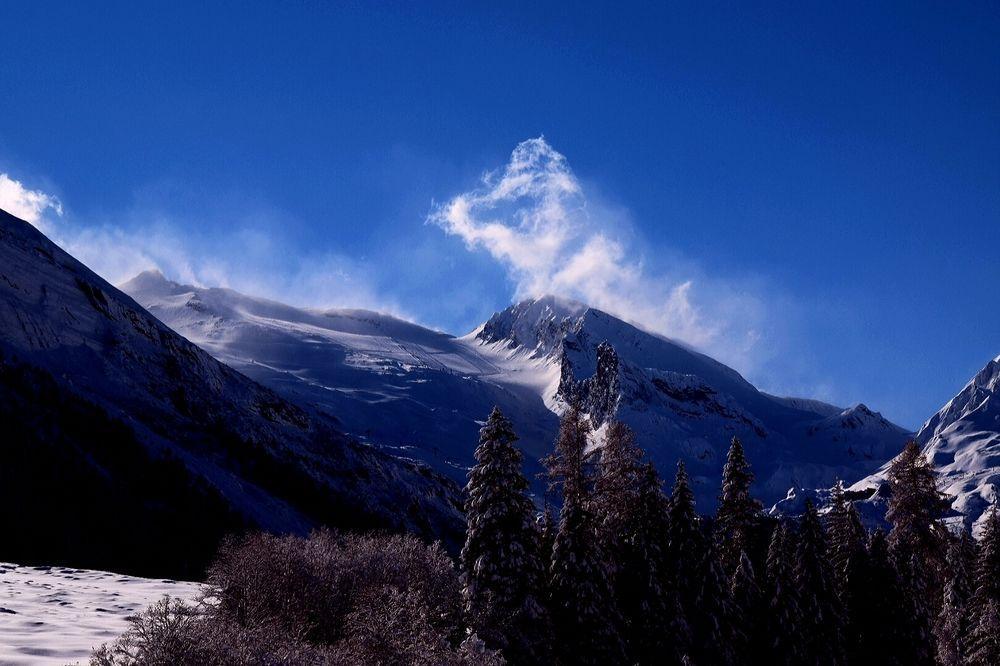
(533, 216)
(243, 252)
(29, 205)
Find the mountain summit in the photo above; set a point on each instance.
(424, 394)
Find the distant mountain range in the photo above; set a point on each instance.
(424, 394)
(962, 441)
(126, 446)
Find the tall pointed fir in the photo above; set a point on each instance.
(983, 645)
(848, 560)
(915, 507)
(821, 617)
(738, 514)
(502, 572)
(584, 615)
(656, 632)
(750, 609)
(888, 634)
(782, 614)
(686, 547)
(952, 625)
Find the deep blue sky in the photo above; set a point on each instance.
(839, 163)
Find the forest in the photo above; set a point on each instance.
(610, 569)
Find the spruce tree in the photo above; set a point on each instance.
(655, 628)
(888, 634)
(686, 544)
(739, 513)
(749, 612)
(821, 618)
(848, 560)
(502, 572)
(782, 615)
(717, 636)
(584, 615)
(952, 625)
(983, 645)
(915, 507)
(617, 484)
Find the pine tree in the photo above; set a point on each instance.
(617, 484)
(749, 609)
(738, 513)
(915, 507)
(848, 559)
(685, 542)
(584, 615)
(821, 618)
(783, 615)
(656, 630)
(502, 572)
(984, 638)
(952, 624)
(716, 633)
(888, 635)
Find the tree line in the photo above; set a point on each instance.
(627, 574)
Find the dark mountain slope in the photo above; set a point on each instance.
(115, 413)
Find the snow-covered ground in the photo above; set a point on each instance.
(57, 615)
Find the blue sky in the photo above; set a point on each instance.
(811, 194)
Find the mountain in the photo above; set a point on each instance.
(128, 447)
(962, 441)
(426, 393)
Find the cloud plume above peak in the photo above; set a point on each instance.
(533, 216)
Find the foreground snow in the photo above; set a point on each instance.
(57, 615)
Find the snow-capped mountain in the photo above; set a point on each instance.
(399, 385)
(962, 441)
(125, 445)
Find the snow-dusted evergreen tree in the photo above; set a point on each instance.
(716, 634)
(584, 614)
(502, 572)
(617, 484)
(887, 632)
(848, 560)
(655, 628)
(749, 612)
(915, 507)
(739, 513)
(686, 543)
(952, 623)
(983, 645)
(782, 615)
(821, 617)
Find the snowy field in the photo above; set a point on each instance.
(57, 615)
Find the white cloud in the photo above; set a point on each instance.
(29, 205)
(534, 218)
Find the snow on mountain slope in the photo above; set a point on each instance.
(962, 441)
(58, 615)
(425, 392)
(108, 403)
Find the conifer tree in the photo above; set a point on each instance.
(717, 636)
(738, 513)
(685, 542)
(984, 637)
(782, 614)
(915, 506)
(749, 612)
(848, 561)
(655, 628)
(502, 572)
(888, 635)
(952, 623)
(821, 618)
(617, 484)
(582, 604)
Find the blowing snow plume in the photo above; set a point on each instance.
(533, 216)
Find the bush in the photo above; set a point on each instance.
(329, 599)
